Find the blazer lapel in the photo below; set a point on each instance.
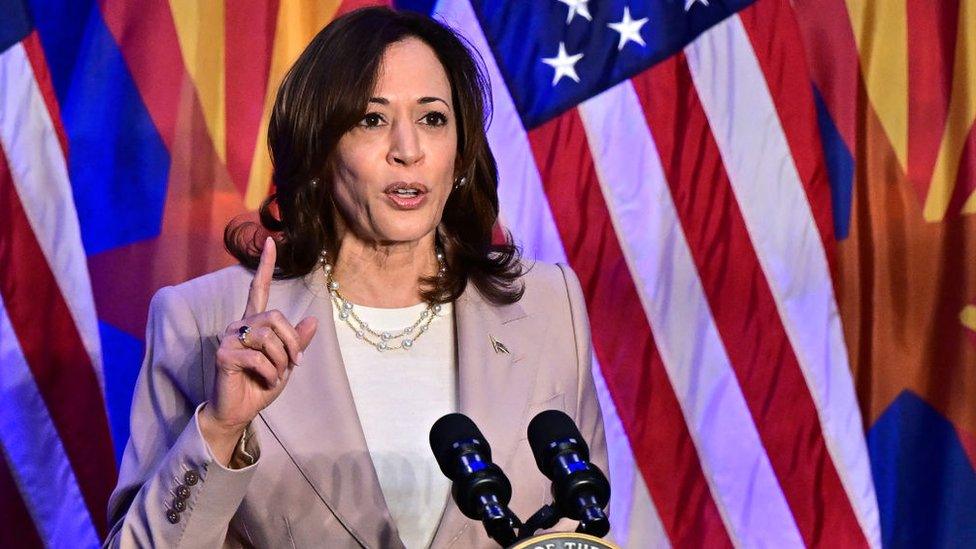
(316, 421)
(496, 376)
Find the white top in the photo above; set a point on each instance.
(399, 394)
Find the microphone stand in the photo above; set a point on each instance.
(545, 517)
(594, 523)
(500, 522)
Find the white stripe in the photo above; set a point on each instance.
(733, 459)
(526, 212)
(34, 452)
(524, 205)
(41, 178)
(634, 521)
(764, 178)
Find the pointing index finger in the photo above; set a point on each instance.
(257, 296)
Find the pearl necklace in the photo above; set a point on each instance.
(387, 340)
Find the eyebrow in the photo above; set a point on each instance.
(422, 101)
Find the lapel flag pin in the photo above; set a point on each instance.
(499, 347)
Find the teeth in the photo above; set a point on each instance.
(407, 192)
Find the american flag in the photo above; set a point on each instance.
(54, 432)
(668, 150)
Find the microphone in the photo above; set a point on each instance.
(479, 487)
(579, 488)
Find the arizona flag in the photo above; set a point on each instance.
(895, 84)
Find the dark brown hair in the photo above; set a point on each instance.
(323, 96)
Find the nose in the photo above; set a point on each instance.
(405, 146)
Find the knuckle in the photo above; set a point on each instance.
(223, 355)
(256, 360)
(273, 358)
(276, 357)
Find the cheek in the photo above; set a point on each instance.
(353, 163)
(443, 159)
(350, 192)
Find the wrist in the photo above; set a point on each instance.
(221, 437)
(219, 427)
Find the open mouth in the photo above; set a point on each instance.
(406, 196)
(408, 193)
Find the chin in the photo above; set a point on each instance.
(404, 231)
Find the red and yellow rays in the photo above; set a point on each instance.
(235, 54)
(221, 64)
(907, 275)
(959, 136)
(918, 62)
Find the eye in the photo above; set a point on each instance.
(434, 118)
(371, 120)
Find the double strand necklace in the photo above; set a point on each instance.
(387, 340)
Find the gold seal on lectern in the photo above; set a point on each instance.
(564, 541)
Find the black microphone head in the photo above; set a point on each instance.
(478, 486)
(579, 489)
(444, 435)
(551, 426)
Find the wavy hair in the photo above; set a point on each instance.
(324, 95)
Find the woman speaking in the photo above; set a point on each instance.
(287, 401)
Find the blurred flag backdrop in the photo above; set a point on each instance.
(770, 205)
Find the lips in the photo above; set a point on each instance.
(406, 196)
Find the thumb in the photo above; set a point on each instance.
(306, 330)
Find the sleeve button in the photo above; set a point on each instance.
(179, 505)
(191, 477)
(172, 516)
(182, 492)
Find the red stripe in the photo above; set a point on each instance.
(968, 443)
(966, 178)
(250, 37)
(35, 54)
(743, 307)
(156, 64)
(931, 53)
(350, 5)
(16, 525)
(58, 361)
(624, 344)
(831, 51)
(773, 31)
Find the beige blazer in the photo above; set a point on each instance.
(313, 484)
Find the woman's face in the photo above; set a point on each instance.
(395, 169)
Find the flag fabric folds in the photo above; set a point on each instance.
(119, 167)
(895, 87)
(669, 152)
(59, 467)
(759, 197)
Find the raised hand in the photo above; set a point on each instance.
(252, 370)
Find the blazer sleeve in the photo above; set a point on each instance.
(171, 491)
(588, 418)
